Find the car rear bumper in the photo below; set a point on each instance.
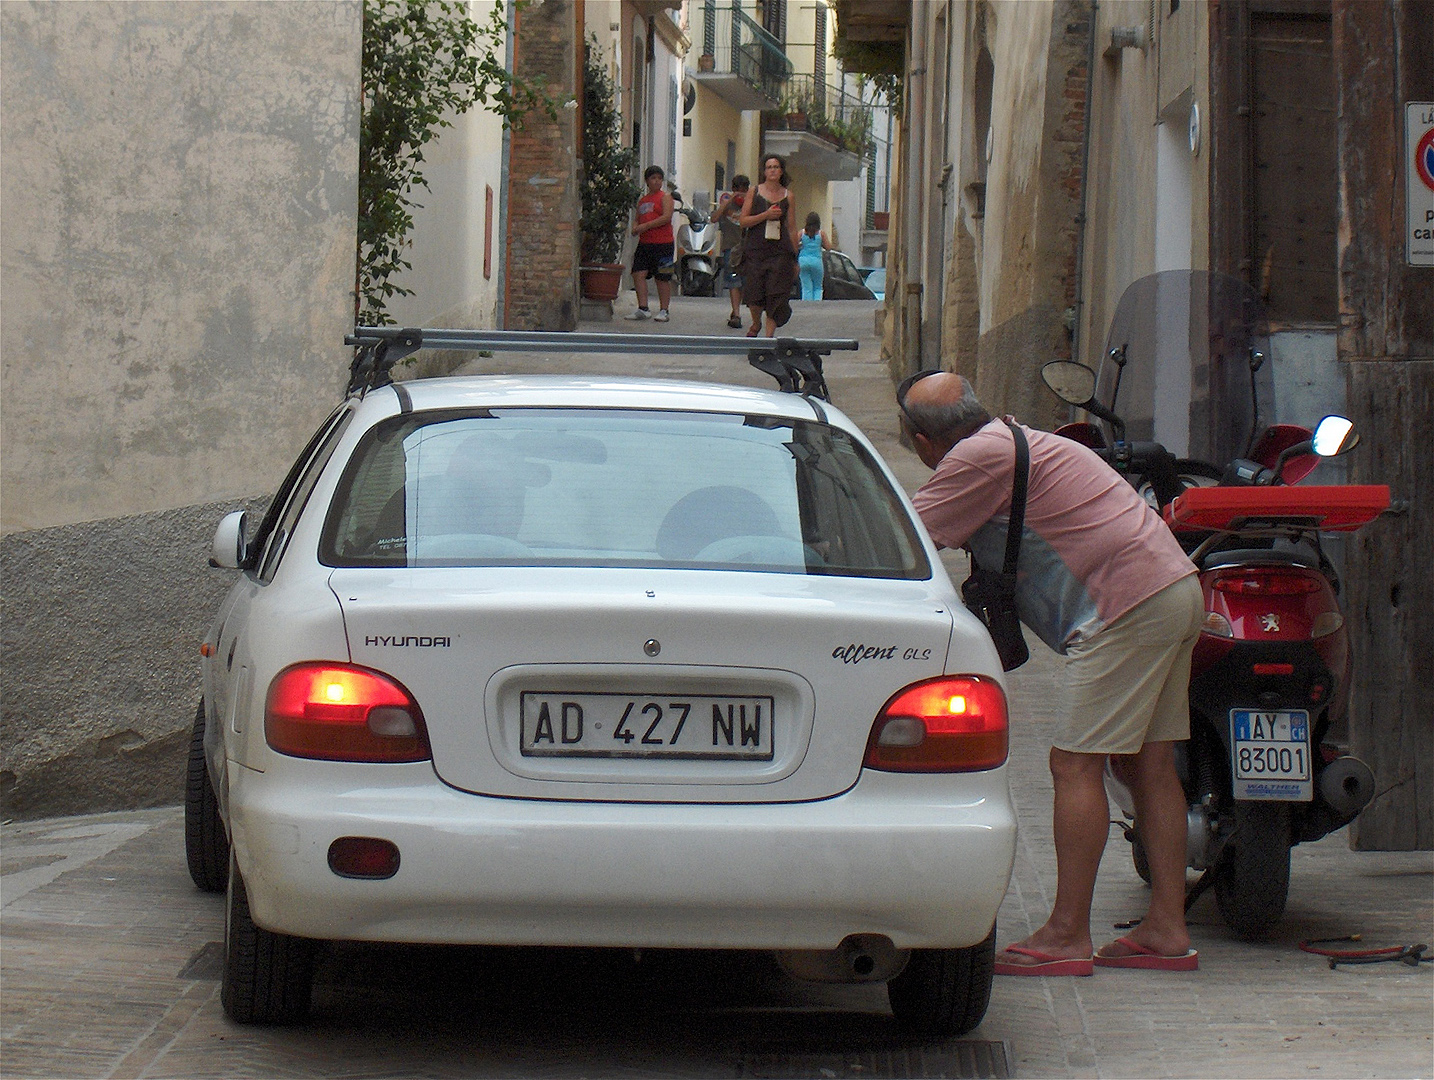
(923, 860)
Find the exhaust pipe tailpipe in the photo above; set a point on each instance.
(860, 958)
(1346, 785)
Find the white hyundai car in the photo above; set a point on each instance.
(600, 662)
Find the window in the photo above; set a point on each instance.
(288, 502)
(618, 487)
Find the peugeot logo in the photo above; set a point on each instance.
(1270, 623)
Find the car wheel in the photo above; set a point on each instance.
(943, 993)
(206, 845)
(268, 977)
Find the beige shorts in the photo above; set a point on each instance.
(1129, 684)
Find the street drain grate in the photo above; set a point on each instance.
(206, 965)
(965, 1058)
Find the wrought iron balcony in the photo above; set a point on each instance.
(822, 128)
(740, 62)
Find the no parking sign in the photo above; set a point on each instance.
(1419, 186)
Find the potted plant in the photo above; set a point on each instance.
(797, 107)
(609, 190)
(706, 62)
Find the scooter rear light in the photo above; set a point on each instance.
(341, 712)
(1217, 624)
(1258, 581)
(1273, 669)
(955, 723)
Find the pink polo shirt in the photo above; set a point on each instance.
(1092, 548)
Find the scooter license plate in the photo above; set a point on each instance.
(1270, 755)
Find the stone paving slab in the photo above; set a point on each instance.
(107, 951)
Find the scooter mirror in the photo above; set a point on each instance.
(1073, 383)
(1334, 435)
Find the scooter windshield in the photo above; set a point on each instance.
(1188, 351)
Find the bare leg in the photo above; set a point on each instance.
(1082, 823)
(736, 295)
(639, 282)
(1160, 811)
(756, 320)
(664, 293)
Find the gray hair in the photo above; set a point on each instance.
(941, 419)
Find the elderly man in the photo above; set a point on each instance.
(1102, 581)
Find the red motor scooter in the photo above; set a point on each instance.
(1263, 769)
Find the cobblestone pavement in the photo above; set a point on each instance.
(109, 956)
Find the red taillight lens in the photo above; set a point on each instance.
(1255, 581)
(338, 712)
(956, 723)
(1273, 669)
(363, 857)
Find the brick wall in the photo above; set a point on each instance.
(541, 287)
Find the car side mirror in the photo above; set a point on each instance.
(1073, 383)
(230, 550)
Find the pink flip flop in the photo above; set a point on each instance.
(1045, 963)
(1147, 959)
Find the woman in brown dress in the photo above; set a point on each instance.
(769, 253)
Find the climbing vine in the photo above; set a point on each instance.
(424, 62)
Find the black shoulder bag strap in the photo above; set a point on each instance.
(1017, 522)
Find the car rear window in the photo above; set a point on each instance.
(618, 487)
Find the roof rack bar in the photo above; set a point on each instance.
(796, 363)
(567, 341)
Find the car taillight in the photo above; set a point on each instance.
(955, 723)
(1268, 582)
(339, 712)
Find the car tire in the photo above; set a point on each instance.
(268, 977)
(943, 993)
(206, 845)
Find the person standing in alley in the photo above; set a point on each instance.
(811, 244)
(654, 255)
(729, 210)
(769, 253)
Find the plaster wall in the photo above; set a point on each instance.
(714, 124)
(446, 245)
(1019, 48)
(1121, 192)
(177, 250)
(179, 212)
(847, 201)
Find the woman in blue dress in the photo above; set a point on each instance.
(809, 257)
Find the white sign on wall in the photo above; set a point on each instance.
(1419, 185)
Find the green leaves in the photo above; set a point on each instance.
(424, 62)
(609, 187)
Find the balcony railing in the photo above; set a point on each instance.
(740, 48)
(828, 111)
